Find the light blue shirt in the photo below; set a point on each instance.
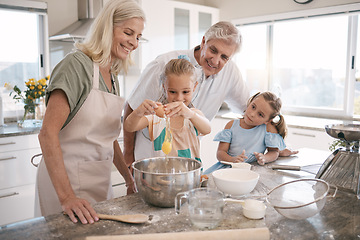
(252, 140)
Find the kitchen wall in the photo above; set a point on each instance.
(63, 13)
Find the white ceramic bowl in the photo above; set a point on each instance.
(254, 209)
(235, 181)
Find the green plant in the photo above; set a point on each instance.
(339, 143)
(34, 90)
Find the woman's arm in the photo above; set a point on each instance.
(119, 163)
(56, 114)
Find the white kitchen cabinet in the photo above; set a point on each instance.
(208, 147)
(165, 33)
(17, 177)
(17, 204)
(308, 138)
(161, 31)
(117, 180)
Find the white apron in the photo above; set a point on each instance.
(87, 146)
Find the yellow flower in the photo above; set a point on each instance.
(39, 93)
(32, 87)
(39, 87)
(8, 86)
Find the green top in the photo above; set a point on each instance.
(74, 75)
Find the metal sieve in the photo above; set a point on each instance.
(300, 199)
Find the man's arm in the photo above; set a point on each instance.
(129, 139)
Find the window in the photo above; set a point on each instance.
(22, 50)
(252, 60)
(309, 62)
(182, 28)
(357, 72)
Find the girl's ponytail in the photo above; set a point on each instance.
(280, 125)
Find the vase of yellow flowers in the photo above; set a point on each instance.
(33, 100)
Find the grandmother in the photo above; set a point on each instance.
(83, 117)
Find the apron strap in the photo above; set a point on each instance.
(96, 78)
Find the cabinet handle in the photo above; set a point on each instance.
(304, 134)
(7, 158)
(8, 194)
(8, 143)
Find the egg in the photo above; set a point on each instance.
(166, 147)
(160, 112)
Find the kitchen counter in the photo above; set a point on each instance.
(339, 219)
(12, 129)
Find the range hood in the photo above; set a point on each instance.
(87, 11)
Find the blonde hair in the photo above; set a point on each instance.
(224, 31)
(180, 67)
(275, 104)
(97, 44)
(177, 67)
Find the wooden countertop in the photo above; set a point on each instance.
(339, 219)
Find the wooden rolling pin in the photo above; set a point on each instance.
(233, 234)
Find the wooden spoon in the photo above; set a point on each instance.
(133, 218)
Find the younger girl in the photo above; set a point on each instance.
(246, 139)
(186, 123)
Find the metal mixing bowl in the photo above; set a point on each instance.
(159, 179)
(348, 132)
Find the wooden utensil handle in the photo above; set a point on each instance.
(108, 217)
(285, 167)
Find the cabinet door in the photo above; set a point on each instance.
(8, 144)
(16, 168)
(208, 146)
(118, 183)
(300, 138)
(166, 34)
(17, 204)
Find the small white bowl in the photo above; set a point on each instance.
(242, 165)
(254, 209)
(235, 181)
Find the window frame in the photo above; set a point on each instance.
(353, 13)
(39, 8)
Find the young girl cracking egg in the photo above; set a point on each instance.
(186, 122)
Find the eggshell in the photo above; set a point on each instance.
(160, 112)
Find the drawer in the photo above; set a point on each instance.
(17, 204)
(118, 183)
(8, 144)
(16, 168)
(300, 138)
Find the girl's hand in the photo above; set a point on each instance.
(260, 158)
(146, 108)
(178, 109)
(239, 158)
(287, 152)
